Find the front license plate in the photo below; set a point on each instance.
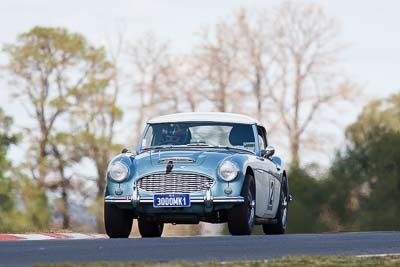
(171, 200)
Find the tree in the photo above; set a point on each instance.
(96, 117)
(33, 213)
(215, 59)
(306, 52)
(7, 205)
(50, 68)
(282, 61)
(185, 84)
(39, 62)
(364, 183)
(256, 56)
(154, 79)
(306, 211)
(6, 139)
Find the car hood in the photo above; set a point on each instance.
(200, 160)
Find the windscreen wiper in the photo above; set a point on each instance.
(159, 147)
(196, 145)
(217, 146)
(173, 146)
(235, 148)
(199, 145)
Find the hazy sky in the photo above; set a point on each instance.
(370, 28)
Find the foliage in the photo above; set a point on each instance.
(26, 208)
(23, 205)
(7, 205)
(364, 182)
(362, 188)
(305, 209)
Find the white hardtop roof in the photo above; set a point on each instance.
(205, 117)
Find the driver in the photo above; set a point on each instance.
(175, 134)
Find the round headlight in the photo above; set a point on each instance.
(118, 171)
(228, 170)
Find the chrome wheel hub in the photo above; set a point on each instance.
(284, 210)
(252, 205)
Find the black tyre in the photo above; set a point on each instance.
(118, 222)
(279, 228)
(150, 229)
(241, 217)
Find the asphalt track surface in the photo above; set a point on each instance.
(218, 248)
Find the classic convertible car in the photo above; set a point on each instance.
(191, 167)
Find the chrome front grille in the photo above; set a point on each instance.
(174, 183)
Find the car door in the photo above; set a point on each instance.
(274, 192)
(266, 186)
(262, 187)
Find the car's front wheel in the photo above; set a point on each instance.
(279, 227)
(149, 228)
(241, 217)
(118, 222)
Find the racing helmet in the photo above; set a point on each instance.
(175, 134)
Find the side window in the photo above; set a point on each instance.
(148, 139)
(262, 139)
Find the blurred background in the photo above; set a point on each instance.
(79, 79)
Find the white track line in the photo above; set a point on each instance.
(33, 236)
(79, 236)
(378, 255)
(49, 236)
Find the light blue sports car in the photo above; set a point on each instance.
(192, 167)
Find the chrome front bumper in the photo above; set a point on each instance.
(208, 200)
(129, 199)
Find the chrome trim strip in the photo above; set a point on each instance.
(229, 200)
(111, 199)
(117, 201)
(177, 159)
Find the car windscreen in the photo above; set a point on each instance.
(200, 134)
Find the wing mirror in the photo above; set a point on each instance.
(268, 152)
(127, 151)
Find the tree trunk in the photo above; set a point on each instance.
(101, 185)
(41, 163)
(66, 212)
(64, 184)
(221, 100)
(257, 90)
(294, 150)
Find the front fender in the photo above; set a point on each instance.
(128, 160)
(243, 161)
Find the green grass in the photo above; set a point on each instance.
(296, 261)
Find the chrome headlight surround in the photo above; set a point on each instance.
(228, 170)
(118, 171)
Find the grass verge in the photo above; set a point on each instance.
(298, 261)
